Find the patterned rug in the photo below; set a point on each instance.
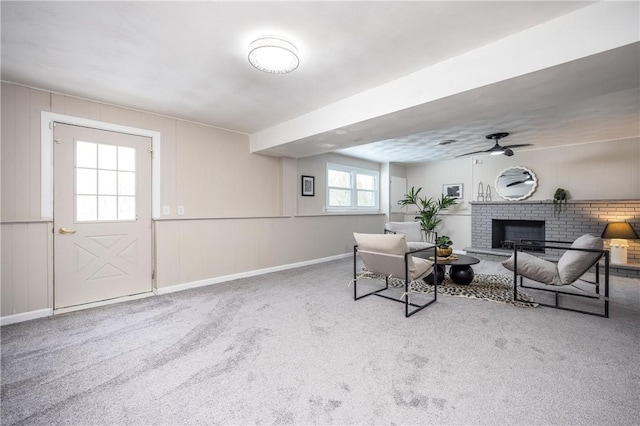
(492, 287)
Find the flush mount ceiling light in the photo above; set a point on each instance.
(273, 55)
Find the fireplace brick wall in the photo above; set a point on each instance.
(575, 219)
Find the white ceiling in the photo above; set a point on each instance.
(188, 60)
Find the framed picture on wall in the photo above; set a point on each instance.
(308, 186)
(453, 190)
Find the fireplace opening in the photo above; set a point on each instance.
(506, 233)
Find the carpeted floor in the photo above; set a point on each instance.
(294, 348)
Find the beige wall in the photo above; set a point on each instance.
(456, 221)
(26, 267)
(595, 171)
(243, 212)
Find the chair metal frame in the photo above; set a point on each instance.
(406, 300)
(526, 244)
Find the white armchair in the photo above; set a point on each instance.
(578, 258)
(388, 255)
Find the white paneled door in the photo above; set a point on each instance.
(102, 215)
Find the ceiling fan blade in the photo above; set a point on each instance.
(518, 182)
(471, 153)
(518, 145)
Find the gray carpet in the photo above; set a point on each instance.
(293, 348)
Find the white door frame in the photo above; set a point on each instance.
(46, 167)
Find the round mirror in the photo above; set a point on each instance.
(516, 183)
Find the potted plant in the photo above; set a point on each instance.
(561, 195)
(428, 208)
(443, 246)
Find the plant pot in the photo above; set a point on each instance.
(444, 252)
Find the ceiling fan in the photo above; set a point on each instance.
(498, 149)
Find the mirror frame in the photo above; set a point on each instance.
(500, 186)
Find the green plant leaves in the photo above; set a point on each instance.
(428, 208)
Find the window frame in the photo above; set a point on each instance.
(354, 172)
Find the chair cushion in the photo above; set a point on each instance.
(417, 245)
(423, 267)
(386, 243)
(534, 268)
(412, 230)
(574, 263)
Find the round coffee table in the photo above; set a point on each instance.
(460, 270)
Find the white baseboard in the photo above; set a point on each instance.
(103, 303)
(217, 280)
(25, 316)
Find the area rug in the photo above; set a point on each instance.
(492, 287)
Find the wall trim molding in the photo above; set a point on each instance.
(247, 274)
(25, 316)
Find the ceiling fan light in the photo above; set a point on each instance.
(273, 55)
(497, 152)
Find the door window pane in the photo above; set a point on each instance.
(126, 159)
(86, 181)
(86, 208)
(107, 157)
(126, 183)
(107, 207)
(107, 182)
(126, 208)
(86, 154)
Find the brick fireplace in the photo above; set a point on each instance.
(573, 220)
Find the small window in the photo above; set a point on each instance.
(350, 188)
(105, 182)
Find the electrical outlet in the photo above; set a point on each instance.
(166, 210)
(180, 210)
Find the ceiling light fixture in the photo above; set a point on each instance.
(273, 55)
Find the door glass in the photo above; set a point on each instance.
(105, 182)
(126, 159)
(87, 181)
(86, 154)
(87, 208)
(126, 183)
(107, 207)
(107, 157)
(126, 208)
